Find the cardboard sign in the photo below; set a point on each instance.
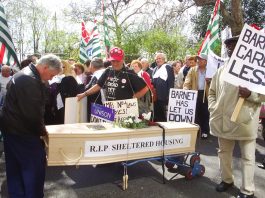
(75, 111)
(100, 113)
(135, 145)
(213, 63)
(123, 108)
(182, 105)
(246, 67)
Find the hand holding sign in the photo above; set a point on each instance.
(244, 92)
(246, 66)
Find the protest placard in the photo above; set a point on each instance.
(182, 105)
(75, 111)
(213, 63)
(246, 67)
(123, 108)
(100, 113)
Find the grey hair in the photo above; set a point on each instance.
(97, 63)
(163, 55)
(145, 60)
(53, 61)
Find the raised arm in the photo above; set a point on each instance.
(89, 92)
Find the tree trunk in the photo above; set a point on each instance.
(234, 19)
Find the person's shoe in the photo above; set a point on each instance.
(223, 186)
(204, 136)
(262, 165)
(242, 195)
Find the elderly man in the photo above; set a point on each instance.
(97, 69)
(119, 82)
(146, 67)
(23, 125)
(195, 80)
(223, 98)
(184, 71)
(163, 80)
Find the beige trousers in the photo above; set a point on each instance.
(225, 153)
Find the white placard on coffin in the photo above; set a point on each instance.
(75, 111)
(100, 143)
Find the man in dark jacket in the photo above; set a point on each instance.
(163, 80)
(23, 127)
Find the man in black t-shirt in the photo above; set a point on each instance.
(117, 81)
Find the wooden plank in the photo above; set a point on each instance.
(237, 109)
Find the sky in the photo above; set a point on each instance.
(56, 5)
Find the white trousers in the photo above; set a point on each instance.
(225, 153)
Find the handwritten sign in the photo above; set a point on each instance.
(100, 113)
(123, 108)
(182, 105)
(246, 67)
(135, 145)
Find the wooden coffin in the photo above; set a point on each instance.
(100, 143)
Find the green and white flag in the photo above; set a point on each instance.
(212, 38)
(8, 54)
(83, 44)
(94, 47)
(90, 44)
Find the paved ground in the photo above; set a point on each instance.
(145, 178)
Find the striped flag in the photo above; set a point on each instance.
(85, 37)
(212, 38)
(90, 44)
(7, 49)
(94, 47)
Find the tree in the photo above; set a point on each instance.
(201, 20)
(147, 43)
(168, 14)
(120, 15)
(38, 19)
(254, 12)
(234, 14)
(26, 16)
(60, 42)
(16, 26)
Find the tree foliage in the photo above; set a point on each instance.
(253, 12)
(34, 30)
(201, 20)
(147, 43)
(26, 19)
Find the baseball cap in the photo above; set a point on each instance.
(202, 56)
(116, 54)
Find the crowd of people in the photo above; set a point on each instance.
(35, 97)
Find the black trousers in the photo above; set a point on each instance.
(160, 111)
(25, 166)
(202, 114)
